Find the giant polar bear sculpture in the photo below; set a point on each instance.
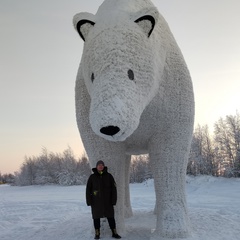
(134, 95)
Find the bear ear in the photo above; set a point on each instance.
(83, 22)
(148, 21)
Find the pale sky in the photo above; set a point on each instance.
(40, 53)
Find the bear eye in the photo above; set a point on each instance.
(92, 77)
(131, 74)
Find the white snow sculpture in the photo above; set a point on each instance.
(134, 95)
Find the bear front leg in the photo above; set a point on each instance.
(115, 161)
(128, 208)
(169, 171)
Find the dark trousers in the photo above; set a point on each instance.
(111, 222)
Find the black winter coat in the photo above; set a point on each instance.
(101, 194)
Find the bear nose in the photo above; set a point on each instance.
(110, 130)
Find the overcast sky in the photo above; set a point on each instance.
(40, 53)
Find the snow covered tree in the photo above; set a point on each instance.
(27, 174)
(227, 139)
(84, 168)
(6, 178)
(54, 168)
(46, 171)
(201, 158)
(140, 169)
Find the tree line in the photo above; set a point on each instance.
(65, 169)
(54, 168)
(217, 155)
(7, 178)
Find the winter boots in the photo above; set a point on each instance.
(97, 234)
(114, 234)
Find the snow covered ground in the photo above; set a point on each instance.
(60, 213)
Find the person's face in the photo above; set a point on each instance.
(100, 167)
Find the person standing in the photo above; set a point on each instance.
(101, 195)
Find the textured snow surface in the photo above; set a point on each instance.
(60, 213)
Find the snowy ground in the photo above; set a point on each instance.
(60, 213)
